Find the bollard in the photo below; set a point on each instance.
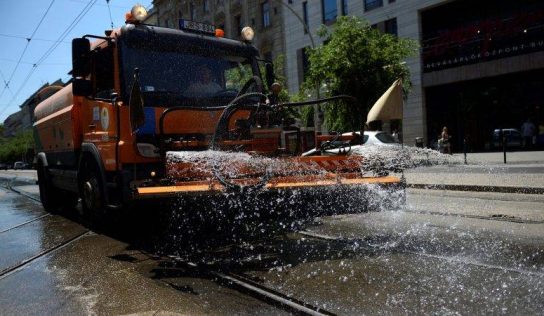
(465, 149)
(503, 145)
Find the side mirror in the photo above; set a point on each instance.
(81, 87)
(81, 57)
(136, 104)
(269, 73)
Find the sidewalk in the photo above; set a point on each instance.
(523, 173)
(517, 157)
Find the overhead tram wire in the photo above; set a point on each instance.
(5, 82)
(67, 31)
(60, 39)
(109, 10)
(24, 37)
(26, 47)
(29, 63)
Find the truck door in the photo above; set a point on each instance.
(100, 125)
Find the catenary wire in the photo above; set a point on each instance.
(24, 37)
(26, 47)
(109, 10)
(5, 82)
(60, 39)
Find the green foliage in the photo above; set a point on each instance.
(356, 60)
(16, 148)
(279, 63)
(304, 113)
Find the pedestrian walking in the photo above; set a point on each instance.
(395, 135)
(445, 141)
(528, 130)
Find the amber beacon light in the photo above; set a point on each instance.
(136, 15)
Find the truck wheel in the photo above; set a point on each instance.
(92, 194)
(48, 196)
(54, 200)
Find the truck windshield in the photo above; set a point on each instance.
(172, 78)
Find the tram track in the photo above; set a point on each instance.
(365, 245)
(228, 279)
(25, 223)
(254, 289)
(8, 187)
(6, 271)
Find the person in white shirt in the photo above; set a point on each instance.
(204, 84)
(528, 130)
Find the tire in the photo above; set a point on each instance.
(48, 197)
(92, 194)
(54, 200)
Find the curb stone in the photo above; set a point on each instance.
(477, 188)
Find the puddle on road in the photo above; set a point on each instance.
(16, 210)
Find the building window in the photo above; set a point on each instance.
(303, 64)
(344, 7)
(238, 24)
(390, 27)
(391, 1)
(330, 11)
(305, 16)
(265, 11)
(373, 4)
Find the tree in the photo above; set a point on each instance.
(16, 148)
(359, 61)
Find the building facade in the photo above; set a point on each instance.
(478, 69)
(265, 17)
(24, 118)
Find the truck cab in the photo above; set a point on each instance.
(98, 136)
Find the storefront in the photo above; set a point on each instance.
(463, 42)
(474, 109)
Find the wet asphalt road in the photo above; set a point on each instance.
(96, 274)
(446, 253)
